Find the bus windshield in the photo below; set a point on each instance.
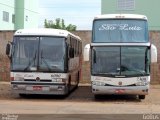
(52, 53)
(120, 61)
(120, 30)
(38, 54)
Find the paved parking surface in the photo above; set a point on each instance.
(80, 101)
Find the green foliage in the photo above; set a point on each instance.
(59, 24)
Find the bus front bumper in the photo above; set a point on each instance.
(131, 90)
(39, 88)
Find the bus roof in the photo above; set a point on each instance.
(44, 32)
(121, 16)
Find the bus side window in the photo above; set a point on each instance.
(69, 45)
(71, 49)
(75, 47)
(78, 47)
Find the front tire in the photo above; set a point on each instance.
(96, 97)
(22, 95)
(69, 86)
(141, 97)
(78, 79)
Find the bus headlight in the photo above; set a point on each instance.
(58, 80)
(142, 81)
(19, 79)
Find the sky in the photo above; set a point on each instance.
(76, 12)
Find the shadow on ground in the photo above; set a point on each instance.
(82, 93)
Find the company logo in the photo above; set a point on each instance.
(56, 75)
(37, 78)
(124, 27)
(120, 83)
(28, 75)
(18, 75)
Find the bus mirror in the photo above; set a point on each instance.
(71, 52)
(153, 54)
(86, 52)
(8, 49)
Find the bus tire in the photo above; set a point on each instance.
(96, 96)
(141, 97)
(22, 95)
(78, 78)
(69, 85)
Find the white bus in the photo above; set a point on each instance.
(44, 61)
(120, 55)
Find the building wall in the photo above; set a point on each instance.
(31, 10)
(4, 61)
(155, 68)
(25, 11)
(6, 36)
(26, 14)
(8, 6)
(19, 14)
(150, 8)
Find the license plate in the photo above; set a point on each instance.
(37, 88)
(119, 91)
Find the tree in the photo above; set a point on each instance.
(59, 24)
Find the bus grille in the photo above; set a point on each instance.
(33, 80)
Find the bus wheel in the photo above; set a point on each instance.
(141, 96)
(96, 96)
(69, 86)
(78, 78)
(22, 95)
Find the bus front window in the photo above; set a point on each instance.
(106, 61)
(120, 30)
(38, 54)
(120, 61)
(52, 52)
(134, 60)
(25, 51)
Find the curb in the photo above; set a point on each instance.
(5, 83)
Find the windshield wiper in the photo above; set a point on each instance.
(30, 62)
(44, 60)
(124, 69)
(139, 71)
